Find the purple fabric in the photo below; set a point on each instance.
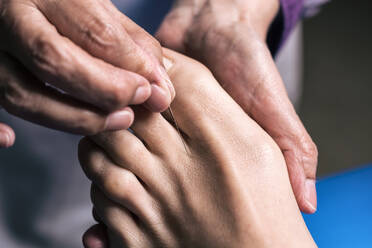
(291, 13)
(282, 26)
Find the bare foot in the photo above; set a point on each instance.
(228, 187)
(229, 37)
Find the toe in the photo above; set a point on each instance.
(117, 183)
(122, 223)
(96, 237)
(159, 135)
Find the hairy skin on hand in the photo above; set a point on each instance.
(89, 50)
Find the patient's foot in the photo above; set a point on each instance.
(225, 185)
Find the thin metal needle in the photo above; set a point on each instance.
(177, 128)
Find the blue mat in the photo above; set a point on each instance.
(344, 216)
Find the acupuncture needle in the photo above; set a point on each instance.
(177, 128)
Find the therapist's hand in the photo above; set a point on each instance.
(95, 60)
(229, 36)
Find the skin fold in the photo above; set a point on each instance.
(85, 48)
(105, 62)
(229, 188)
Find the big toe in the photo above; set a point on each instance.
(95, 237)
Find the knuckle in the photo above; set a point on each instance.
(46, 54)
(121, 95)
(144, 65)
(101, 34)
(310, 157)
(88, 123)
(142, 61)
(13, 98)
(311, 150)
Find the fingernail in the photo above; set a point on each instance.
(159, 100)
(119, 120)
(166, 78)
(171, 89)
(310, 194)
(141, 95)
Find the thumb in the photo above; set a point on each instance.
(248, 73)
(7, 136)
(172, 31)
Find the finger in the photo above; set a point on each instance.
(297, 147)
(100, 29)
(121, 222)
(156, 132)
(58, 61)
(7, 136)
(118, 184)
(25, 96)
(153, 49)
(301, 154)
(150, 46)
(129, 152)
(96, 237)
(272, 109)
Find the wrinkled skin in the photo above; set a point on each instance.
(229, 38)
(85, 48)
(228, 187)
(94, 61)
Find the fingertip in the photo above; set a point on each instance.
(308, 208)
(310, 195)
(119, 120)
(165, 81)
(159, 100)
(95, 237)
(141, 95)
(171, 89)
